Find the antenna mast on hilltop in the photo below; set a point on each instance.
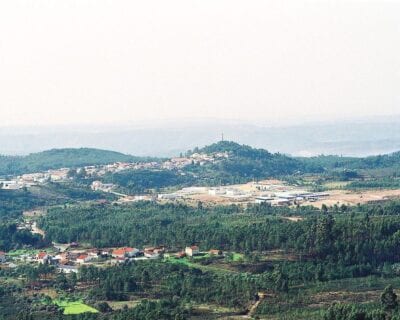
(222, 136)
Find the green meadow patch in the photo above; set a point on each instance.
(237, 257)
(74, 307)
(20, 252)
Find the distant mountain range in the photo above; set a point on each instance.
(348, 138)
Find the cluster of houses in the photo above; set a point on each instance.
(32, 179)
(101, 170)
(70, 260)
(195, 158)
(109, 255)
(171, 164)
(41, 177)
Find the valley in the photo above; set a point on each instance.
(222, 232)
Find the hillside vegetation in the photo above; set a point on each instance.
(243, 164)
(59, 158)
(353, 163)
(246, 163)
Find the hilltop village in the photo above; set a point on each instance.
(273, 192)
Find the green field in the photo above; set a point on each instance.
(187, 262)
(19, 252)
(74, 307)
(237, 257)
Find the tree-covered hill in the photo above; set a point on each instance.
(242, 164)
(245, 163)
(391, 160)
(59, 158)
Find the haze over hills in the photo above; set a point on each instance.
(350, 138)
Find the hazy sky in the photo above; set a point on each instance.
(121, 61)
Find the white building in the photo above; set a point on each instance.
(191, 251)
(263, 199)
(10, 185)
(67, 269)
(216, 192)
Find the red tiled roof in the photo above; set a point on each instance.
(124, 250)
(41, 255)
(82, 257)
(118, 251)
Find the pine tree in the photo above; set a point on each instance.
(389, 298)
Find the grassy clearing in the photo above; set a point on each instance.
(191, 264)
(236, 257)
(183, 261)
(20, 252)
(74, 307)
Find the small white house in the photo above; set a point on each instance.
(67, 269)
(191, 251)
(10, 185)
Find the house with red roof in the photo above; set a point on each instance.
(43, 257)
(125, 252)
(83, 258)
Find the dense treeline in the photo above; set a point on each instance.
(362, 235)
(140, 181)
(371, 162)
(14, 202)
(12, 238)
(245, 163)
(167, 280)
(383, 183)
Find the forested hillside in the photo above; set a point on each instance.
(59, 158)
(242, 164)
(371, 162)
(352, 237)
